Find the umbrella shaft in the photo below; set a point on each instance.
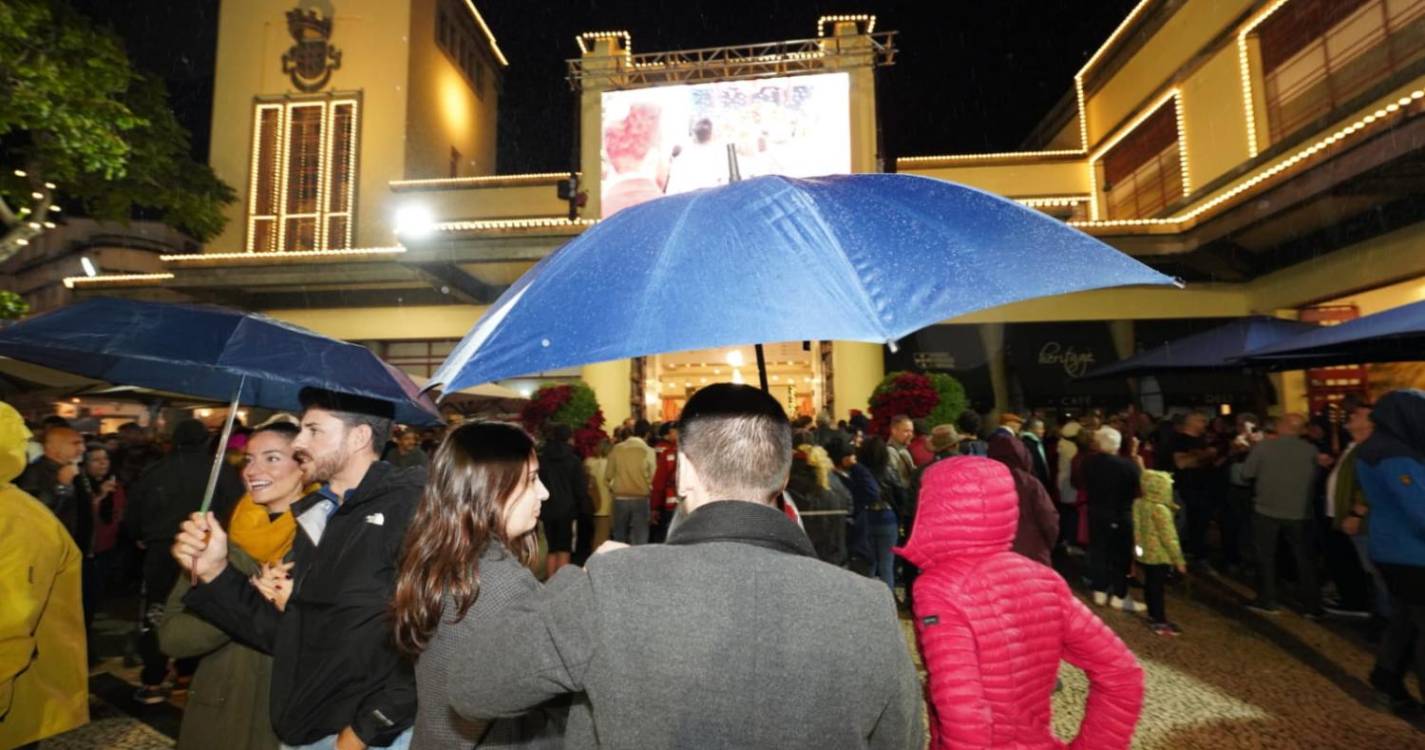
(762, 367)
(219, 457)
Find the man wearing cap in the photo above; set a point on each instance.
(1011, 423)
(760, 633)
(337, 680)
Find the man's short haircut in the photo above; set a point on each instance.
(899, 418)
(353, 411)
(641, 428)
(1032, 422)
(739, 440)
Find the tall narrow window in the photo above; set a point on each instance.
(1143, 173)
(303, 175)
(1317, 55)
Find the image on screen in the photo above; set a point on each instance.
(673, 139)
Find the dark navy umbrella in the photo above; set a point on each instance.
(868, 257)
(1394, 335)
(1218, 349)
(208, 351)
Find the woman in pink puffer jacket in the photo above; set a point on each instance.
(993, 625)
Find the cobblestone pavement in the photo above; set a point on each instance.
(1234, 679)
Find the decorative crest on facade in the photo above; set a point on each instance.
(311, 60)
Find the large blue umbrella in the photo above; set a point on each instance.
(1394, 335)
(869, 257)
(211, 352)
(1220, 348)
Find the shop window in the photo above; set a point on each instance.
(456, 35)
(303, 170)
(1143, 172)
(1319, 54)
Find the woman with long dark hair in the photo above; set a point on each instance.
(465, 559)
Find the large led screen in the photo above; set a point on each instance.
(672, 139)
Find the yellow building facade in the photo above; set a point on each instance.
(1258, 149)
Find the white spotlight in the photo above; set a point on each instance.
(414, 222)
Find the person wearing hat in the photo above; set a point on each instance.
(1155, 538)
(44, 686)
(945, 442)
(1011, 423)
(337, 678)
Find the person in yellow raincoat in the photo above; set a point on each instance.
(44, 676)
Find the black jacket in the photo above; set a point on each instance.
(563, 475)
(334, 663)
(41, 480)
(1112, 483)
(166, 494)
(754, 644)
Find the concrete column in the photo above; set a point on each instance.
(1121, 331)
(857, 368)
(992, 339)
(611, 384)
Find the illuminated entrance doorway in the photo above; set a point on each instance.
(795, 376)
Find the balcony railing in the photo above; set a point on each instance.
(1148, 189)
(1379, 39)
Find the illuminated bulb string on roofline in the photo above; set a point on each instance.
(70, 281)
(1288, 162)
(251, 255)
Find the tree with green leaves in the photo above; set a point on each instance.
(77, 120)
(12, 306)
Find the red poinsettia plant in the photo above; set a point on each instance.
(937, 397)
(572, 404)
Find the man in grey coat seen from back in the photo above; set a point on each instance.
(733, 634)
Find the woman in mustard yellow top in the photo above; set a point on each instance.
(228, 701)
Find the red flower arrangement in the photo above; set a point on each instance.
(909, 393)
(936, 396)
(573, 405)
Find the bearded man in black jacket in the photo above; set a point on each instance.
(335, 673)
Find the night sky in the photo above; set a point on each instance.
(971, 75)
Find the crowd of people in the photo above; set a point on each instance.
(476, 586)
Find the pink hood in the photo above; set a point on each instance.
(968, 508)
